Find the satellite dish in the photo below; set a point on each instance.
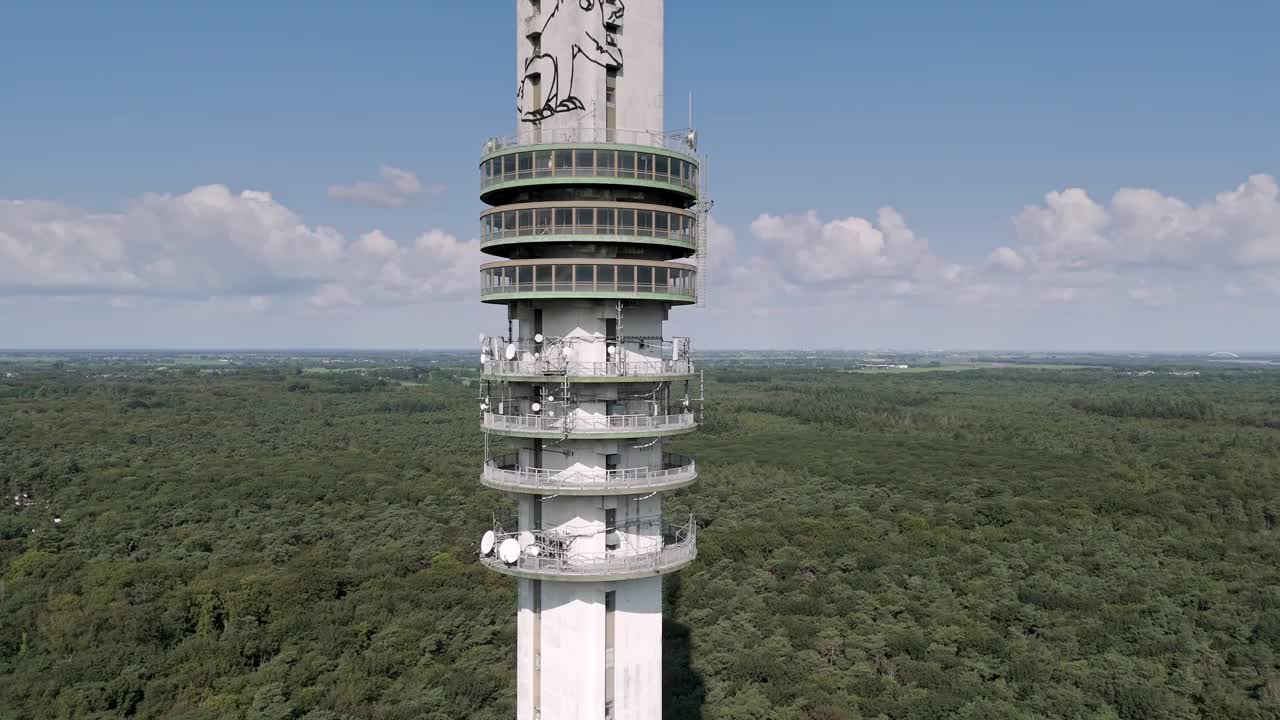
(538, 338)
(509, 551)
(551, 398)
(510, 352)
(536, 407)
(526, 539)
(692, 139)
(487, 542)
(613, 350)
(484, 358)
(532, 551)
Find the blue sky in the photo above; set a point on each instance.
(957, 117)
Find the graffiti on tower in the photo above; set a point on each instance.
(547, 86)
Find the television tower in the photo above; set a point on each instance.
(600, 220)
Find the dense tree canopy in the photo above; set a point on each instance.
(277, 542)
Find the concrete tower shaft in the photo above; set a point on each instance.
(593, 214)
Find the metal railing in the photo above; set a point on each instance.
(613, 170)
(506, 471)
(680, 141)
(637, 288)
(546, 556)
(574, 423)
(603, 233)
(619, 369)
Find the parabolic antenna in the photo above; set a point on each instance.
(551, 398)
(613, 350)
(509, 551)
(510, 352)
(536, 407)
(484, 358)
(537, 338)
(487, 542)
(532, 551)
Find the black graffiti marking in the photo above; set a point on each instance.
(604, 53)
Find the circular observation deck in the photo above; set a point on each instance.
(577, 157)
(589, 427)
(507, 229)
(546, 557)
(505, 473)
(588, 278)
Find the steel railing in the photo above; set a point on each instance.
(600, 232)
(576, 424)
(623, 368)
(674, 140)
(507, 472)
(679, 547)
(637, 288)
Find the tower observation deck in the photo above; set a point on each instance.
(596, 221)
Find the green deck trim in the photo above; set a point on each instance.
(498, 566)
(589, 491)
(506, 297)
(488, 190)
(604, 435)
(493, 377)
(690, 245)
(517, 149)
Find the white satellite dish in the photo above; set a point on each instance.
(532, 551)
(483, 407)
(536, 407)
(538, 338)
(484, 358)
(613, 350)
(551, 398)
(487, 542)
(509, 551)
(510, 352)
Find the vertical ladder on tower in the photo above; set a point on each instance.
(703, 210)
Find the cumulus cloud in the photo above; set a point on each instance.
(396, 189)
(812, 250)
(1142, 228)
(213, 243)
(854, 257)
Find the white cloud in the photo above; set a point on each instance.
(213, 243)
(1007, 259)
(1144, 229)
(811, 250)
(396, 189)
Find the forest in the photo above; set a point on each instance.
(280, 541)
